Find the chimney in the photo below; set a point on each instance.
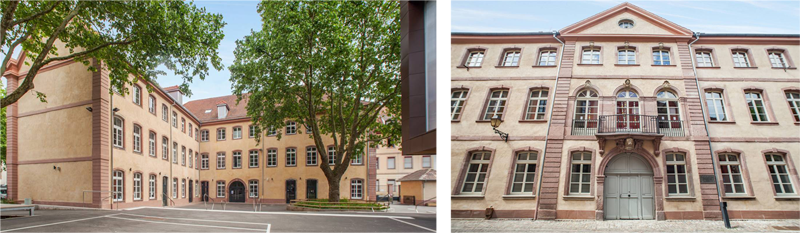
(176, 93)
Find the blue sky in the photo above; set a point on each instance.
(698, 16)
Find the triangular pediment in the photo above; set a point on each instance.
(644, 23)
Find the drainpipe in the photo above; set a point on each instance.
(549, 121)
(111, 177)
(262, 164)
(722, 206)
(173, 149)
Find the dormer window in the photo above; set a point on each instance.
(222, 111)
(626, 23)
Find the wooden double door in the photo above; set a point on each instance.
(628, 190)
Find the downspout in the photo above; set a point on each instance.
(705, 123)
(549, 122)
(173, 149)
(111, 177)
(263, 164)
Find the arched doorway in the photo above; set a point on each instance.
(237, 192)
(628, 190)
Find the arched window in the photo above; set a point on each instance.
(731, 172)
(118, 132)
(586, 109)
(669, 119)
(137, 138)
(137, 186)
(627, 110)
(117, 186)
(776, 163)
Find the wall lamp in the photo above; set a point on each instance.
(115, 109)
(496, 123)
(89, 109)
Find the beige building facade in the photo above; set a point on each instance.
(625, 115)
(393, 165)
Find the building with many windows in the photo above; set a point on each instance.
(393, 165)
(625, 115)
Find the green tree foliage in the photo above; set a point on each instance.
(331, 66)
(128, 37)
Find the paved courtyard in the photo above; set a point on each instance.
(480, 225)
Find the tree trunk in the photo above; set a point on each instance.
(333, 188)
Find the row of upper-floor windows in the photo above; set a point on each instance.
(733, 177)
(312, 158)
(152, 105)
(408, 162)
(627, 55)
(118, 140)
(237, 132)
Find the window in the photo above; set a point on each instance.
(272, 131)
(164, 148)
(524, 173)
(391, 183)
(740, 59)
(308, 129)
(716, 106)
(118, 132)
(204, 161)
(190, 158)
(581, 173)
(408, 162)
(777, 59)
(756, 105)
(586, 109)
(197, 132)
(197, 163)
(291, 127)
(358, 159)
(311, 155)
(190, 130)
(137, 96)
(377, 163)
(591, 56)
(272, 157)
(183, 188)
(118, 186)
(164, 113)
(183, 125)
(175, 152)
(459, 97)
(221, 160)
(183, 155)
(547, 58)
(152, 144)
(668, 110)
(704, 59)
(237, 159)
(174, 187)
(291, 157)
(152, 105)
(626, 56)
(661, 57)
(175, 119)
(476, 172)
(253, 158)
(220, 134)
(253, 185)
(237, 132)
(390, 163)
(779, 173)
(474, 59)
(152, 193)
(625, 23)
(196, 188)
(677, 181)
(220, 188)
(794, 104)
(511, 58)
(204, 135)
(137, 138)
(356, 189)
(627, 110)
(331, 156)
(496, 104)
(537, 104)
(426, 161)
(377, 185)
(730, 169)
(252, 131)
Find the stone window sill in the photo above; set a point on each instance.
(578, 197)
(533, 121)
(553, 66)
(506, 66)
(664, 65)
(787, 197)
(681, 198)
(582, 64)
(722, 122)
(788, 68)
(707, 67)
(512, 196)
(739, 197)
(468, 67)
(764, 123)
(747, 67)
(466, 196)
(626, 64)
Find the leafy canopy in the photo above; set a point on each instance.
(127, 37)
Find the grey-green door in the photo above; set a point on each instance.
(628, 189)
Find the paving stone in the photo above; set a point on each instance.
(527, 225)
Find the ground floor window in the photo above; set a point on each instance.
(117, 186)
(183, 188)
(220, 188)
(476, 172)
(175, 188)
(356, 189)
(152, 186)
(779, 174)
(253, 185)
(581, 173)
(731, 172)
(137, 186)
(677, 182)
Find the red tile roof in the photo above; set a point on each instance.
(428, 174)
(171, 88)
(199, 107)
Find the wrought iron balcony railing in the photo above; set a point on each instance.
(628, 123)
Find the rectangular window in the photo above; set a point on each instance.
(457, 103)
(291, 127)
(777, 59)
(183, 125)
(391, 183)
(704, 59)
(164, 113)
(137, 96)
(118, 138)
(183, 155)
(272, 157)
(175, 152)
(511, 58)
(716, 106)
(626, 56)
(331, 156)
(152, 193)
(190, 131)
(137, 138)
(197, 132)
(117, 186)
(496, 104)
(311, 155)
(730, 169)
(756, 105)
(137, 186)
(237, 159)
(183, 188)
(358, 159)
(677, 181)
(152, 105)
(253, 158)
(220, 134)
(204, 161)
(252, 131)
(253, 185)
(220, 188)
(190, 158)
(272, 131)
(475, 177)
(165, 148)
(547, 58)
(794, 104)
(204, 135)
(661, 57)
(524, 173)
(175, 188)
(308, 129)
(237, 132)
(740, 59)
(152, 144)
(390, 163)
(591, 56)
(356, 189)
(581, 173)
(537, 104)
(291, 157)
(175, 120)
(408, 162)
(426, 161)
(221, 160)
(474, 59)
(779, 174)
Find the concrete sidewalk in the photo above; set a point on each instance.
(480, 225)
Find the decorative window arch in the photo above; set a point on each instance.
(678, 172)
(524, 171)
(581, 174)
(783, 174)
(458, 99)
(118, 132)
(587, 108)
(536, 107)
(627, 109)
(495, 104)
(793, 99)
(473, 58)
(137, 138)
(733, 176)
(474, 175)
(669, 114)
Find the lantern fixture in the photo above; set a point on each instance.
(496, 123)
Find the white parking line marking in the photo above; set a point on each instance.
(288, 213)
(199, 220)
(56, 223)
(269, 226)
(183, 224)
(425, 228)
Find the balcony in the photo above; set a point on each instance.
(628, 124)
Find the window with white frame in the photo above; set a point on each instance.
(137, 96)
(190, 130)
(581, 172)
(628, 110)
(356, 189)
(716, 106)
(496, 104)
(204, 135)
(390, 163)
(118, 133)
(591, 56)
(586, 110)
(426, 161)
(237, 159)
(511, 58)
(165, 148)
(524, 172)
(537, 104)
(152, 144)
(272, 157)
(221, 160)
(408, 162)
(152, 193)
(220, 134)
(253, 185)
(625, 23)
(253, 161)
(237, 132)
(668, 110)
(677, 177)
(311, 155)
(474, 59)
(175, 119)
(661, 57)
(174, 187)
(794, 104)
(137, 138)
(704, 58)
(272, 131)
(477, 170)
(776, 163)
(183, 188)
(291, 157)
(197, 134)
(291, 127)
(118, 186)
(626, 56)
(137, 186)
(740, 59)
(777, 59)
(204, 161)
(190, 158)
(358, 159)
(252, 131)
(183, 155)
(308, 129)
(196, 188)
(547, 58)
(459, 97)
(730, 169)
(220, 188)
(175, 152)
(756, 105)
(331, 155)
(164, 113)
(183, 125)
(152, 104)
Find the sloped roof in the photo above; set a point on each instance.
(199, 107)
(422, 174)
(626, 7)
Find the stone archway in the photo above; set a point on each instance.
(658, 180)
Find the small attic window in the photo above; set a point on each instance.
(222, 111)
(208, 110)
(626, 23)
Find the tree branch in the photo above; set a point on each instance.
(8, 18)
(10, 53)
(34, 16)
(88, 51)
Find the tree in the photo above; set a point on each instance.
(331, 66)
(128, 37)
